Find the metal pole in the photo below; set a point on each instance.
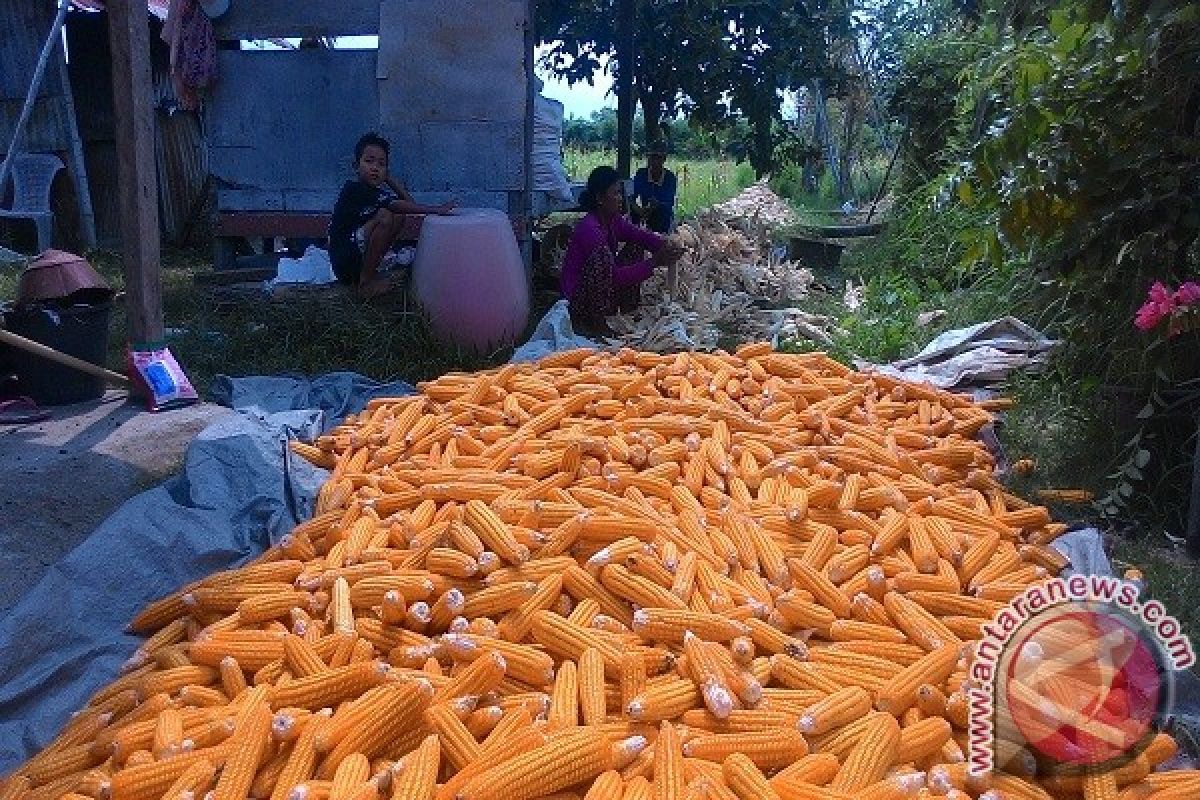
(34, 85)
(626, 11)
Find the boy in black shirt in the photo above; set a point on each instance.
(366, 217)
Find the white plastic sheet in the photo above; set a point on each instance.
(982, 353)
(313, 268)
(553, 333)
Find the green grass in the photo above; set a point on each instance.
(701, 183)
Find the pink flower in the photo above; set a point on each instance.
(1148, 316)
(1188, 294)
(1160, 303)
(1161, 296)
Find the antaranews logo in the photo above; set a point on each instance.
(1075, 675)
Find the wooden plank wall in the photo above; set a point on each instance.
(453, 96)
(448, 87)
(282, 126)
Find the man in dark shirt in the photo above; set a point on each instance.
(654, 191)
(366, 220)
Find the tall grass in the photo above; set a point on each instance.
(701, 183)
(865, 178)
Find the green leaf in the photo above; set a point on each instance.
(1147, 411)
(1141, 458)
(965, 193)
(1060, 18)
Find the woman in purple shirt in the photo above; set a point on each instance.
(596, 279)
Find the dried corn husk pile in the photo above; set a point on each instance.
(729, 282)
(757, 207)
(627, 575)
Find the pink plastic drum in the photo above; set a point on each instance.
(470, 279)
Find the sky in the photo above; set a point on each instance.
(580, 100)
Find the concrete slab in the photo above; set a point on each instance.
(60, 478)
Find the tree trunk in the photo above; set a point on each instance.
(651, 115)
(823, 135)
(849, 130)
(625, 69)
(761, 155)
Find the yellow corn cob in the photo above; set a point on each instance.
(349, 777)
(458, 745)
(391, 711)
(837, 709)
(557, 765)
(746, 779)
(329, 687)
(494, 533)
(668, 764)
(871, 757)
(921, 627)
(815, 769)
(564, 699)
(669, 625)
(419, 779)
(899, 693)
(592, 698)
(767, 749)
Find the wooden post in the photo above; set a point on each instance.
(129, 35)
(625, 59)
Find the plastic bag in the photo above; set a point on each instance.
(158, 378)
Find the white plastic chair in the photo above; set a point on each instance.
(32, 176)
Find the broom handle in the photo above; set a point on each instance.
(38, 349)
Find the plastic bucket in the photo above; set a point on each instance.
(80, 331)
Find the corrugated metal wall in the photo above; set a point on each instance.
(25, 25)
(179, 144)
(182, 161)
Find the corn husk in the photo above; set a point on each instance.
(730, 285)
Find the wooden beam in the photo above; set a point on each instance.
(129, 35)
(626, 16)
(265, 19)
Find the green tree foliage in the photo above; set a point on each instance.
(1065, 141)
(1089, 141)
(711, 61)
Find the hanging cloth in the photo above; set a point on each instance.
(189, 33)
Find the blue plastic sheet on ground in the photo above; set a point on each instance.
(239, 491)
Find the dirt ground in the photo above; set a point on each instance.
(61, 478)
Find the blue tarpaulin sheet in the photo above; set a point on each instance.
(239, 491)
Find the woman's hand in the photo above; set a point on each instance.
(668, 254)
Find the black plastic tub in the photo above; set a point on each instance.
(80, 331)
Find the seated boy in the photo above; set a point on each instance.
(366, 220)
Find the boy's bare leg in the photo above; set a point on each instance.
(380, 233)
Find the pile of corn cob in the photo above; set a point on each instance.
(722, 283)
(602, 576)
